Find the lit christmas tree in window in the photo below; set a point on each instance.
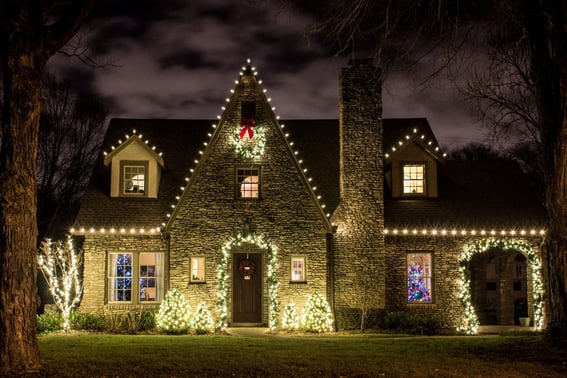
(417, 284)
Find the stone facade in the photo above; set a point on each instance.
(349, 257)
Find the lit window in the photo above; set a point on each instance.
(197, 269)
(146, 279)
(248, 183)
(414, 179)
(134, 179)
(419, 277)
(298, 269)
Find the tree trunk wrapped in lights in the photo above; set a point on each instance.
(60, 265)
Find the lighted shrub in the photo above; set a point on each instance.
(290, 319)
(317, 316)
(174, 314)
(202, 320)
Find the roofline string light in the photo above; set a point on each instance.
(463, 232)
(408, 138)
(214, 126)
(128, 137)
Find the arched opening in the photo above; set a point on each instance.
(499, 287)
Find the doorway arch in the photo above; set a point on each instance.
(470, 321)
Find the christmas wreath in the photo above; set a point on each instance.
(247, 267)
(249, 138)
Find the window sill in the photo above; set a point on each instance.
(197, 282)
(298, 282)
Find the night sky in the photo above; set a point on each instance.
(179, 59)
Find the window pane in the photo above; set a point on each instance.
(419, 277)
(134, 179)
(414, 179)
(248, 181)
(149, 280)
(197, 269)
(298, 269)
(120, 280)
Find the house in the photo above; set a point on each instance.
(249, 213)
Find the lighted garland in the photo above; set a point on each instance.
(249, 147)
(272, 280)
(471, 322)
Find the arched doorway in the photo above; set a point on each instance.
(499, 287)
(534, 282)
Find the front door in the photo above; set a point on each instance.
(247, 288)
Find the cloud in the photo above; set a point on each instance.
(178, 59)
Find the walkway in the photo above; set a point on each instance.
(248, 331)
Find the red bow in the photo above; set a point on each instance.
(247, 124)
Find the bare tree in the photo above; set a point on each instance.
(70, 133)
(60, 265)
(30, 32)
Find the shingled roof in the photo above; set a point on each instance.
(472, 194)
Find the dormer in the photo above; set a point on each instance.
(135, 169)
(412, 159)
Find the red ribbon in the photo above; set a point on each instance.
(247, 125)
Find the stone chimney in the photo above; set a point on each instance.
(359, 261)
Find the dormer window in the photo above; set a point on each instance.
(248, 183)
(134, 178)
(413, 179)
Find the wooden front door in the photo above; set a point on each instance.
(247, 288)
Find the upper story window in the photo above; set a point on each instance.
(413, 179)
(248, 183)
(134, 178)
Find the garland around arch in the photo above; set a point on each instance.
(272, 280)
(470, 322)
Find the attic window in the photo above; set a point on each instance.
(134, 178)
(413, 179)
(248, 183)
(248, 109)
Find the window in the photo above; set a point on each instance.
(197, 269)
(298, 269)
(131, 273)
(248, 183)
(419, 277)
(414, 179)
(134, 178)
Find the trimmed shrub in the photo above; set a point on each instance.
(202, 320)
(88, 322)
(290, 319)
(49, 322)
(316, 315)
(174, 314)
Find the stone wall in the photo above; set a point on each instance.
(96, 249)
(209, 216)
(447, 254)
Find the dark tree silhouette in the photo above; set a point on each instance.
(71, 130)
(30, 32)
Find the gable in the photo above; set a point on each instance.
(249, 138)
(130, 155)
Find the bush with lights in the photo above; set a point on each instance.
(290, 319)
(202, 320)
(316, 315)
(174, 314)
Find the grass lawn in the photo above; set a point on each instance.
(331, 355)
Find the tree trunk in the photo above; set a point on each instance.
(22, 64)
(546, 30)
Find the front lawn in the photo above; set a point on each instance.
(329, 355)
